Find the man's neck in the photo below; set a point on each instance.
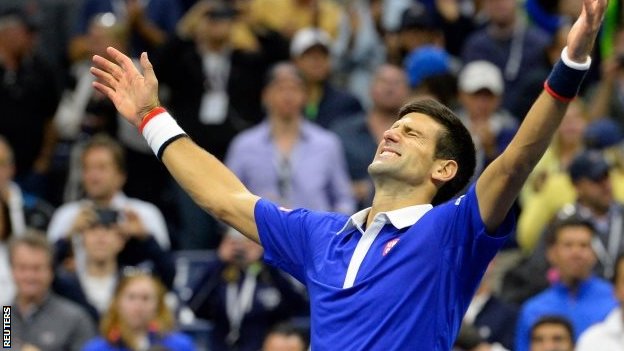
(101, 269)
(390, 197)
(503, 31)
(285, 132)
(103, 201)
(573, 284)
(9, 61)
(214, 47)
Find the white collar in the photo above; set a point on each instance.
(614, 322)
(401, 218)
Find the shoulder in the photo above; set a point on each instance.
(67, 310)
(319, 134)
(141, 205)
(251, 136)
(68, 209)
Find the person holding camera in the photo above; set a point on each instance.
(244, 297)
(109, 251)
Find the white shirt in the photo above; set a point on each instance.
(605, 336)
(99, 290)
(7, 286)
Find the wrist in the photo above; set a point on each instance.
(159, 130)
(566, 77)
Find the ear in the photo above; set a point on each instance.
(444, 170)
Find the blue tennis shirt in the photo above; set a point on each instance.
(413, 285)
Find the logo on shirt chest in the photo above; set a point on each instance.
(389, 245)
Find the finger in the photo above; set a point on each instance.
(104, 76)
(108, 66)
(148, 69)
(124, 61)
(104, 89)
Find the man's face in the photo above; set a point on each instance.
(7, 168)
(102, 243)
(214, 30)
(551, 337)
(100, 175)
(406, 152)
(284, 97)
(480, 105)
(314, 64)
(501, 12)
(32, 272)
(597, 194)
(389, 89)
(572, 253)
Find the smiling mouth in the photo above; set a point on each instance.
(388, 152)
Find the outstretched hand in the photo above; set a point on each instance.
(133, 94)
(583, 33)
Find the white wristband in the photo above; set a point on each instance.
(160, 131)
(575, 65)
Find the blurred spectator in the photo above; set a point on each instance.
(10, 193)
(288, 150)
(470, 340)
(608, 335)
(285, 337)
(360, 134)
(552, 333)
(430, 72)
(310, 51)
(566, 144)
(480, 95)
(28, 96)
(493, 319)
(40, 318)
(103, 176)
(514, 46)
(108, 252)
(294, 15)
(6, 279)
(149, 23)
(139, 319)
(576, 294)
(215, 92)
(418, 27)
(591, 176)
(243, 297)
(606, 96)
(531, 84)
(359, 48)
(457, 20)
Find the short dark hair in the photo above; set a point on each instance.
(106, 142)
(453, 143)
(553, 319)
(273, 71)
(574, 220)
(33, 239)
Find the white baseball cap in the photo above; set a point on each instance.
(479, 75)
(308, 37)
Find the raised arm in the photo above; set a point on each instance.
(499, 184)
(211, 185)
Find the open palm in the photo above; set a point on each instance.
(133, 94)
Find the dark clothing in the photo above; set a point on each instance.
(275, 299)
(496, 322)
(179, 67)
(145, 253)
(335, 104)
(28, 98)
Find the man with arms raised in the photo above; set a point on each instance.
(400, 275)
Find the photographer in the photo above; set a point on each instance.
(243, 297)
(112, 246)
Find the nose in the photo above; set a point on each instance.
(391, 135)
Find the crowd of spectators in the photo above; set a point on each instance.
(100, 249)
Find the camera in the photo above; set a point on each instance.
(106, 216)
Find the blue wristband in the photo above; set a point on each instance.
(564, 82)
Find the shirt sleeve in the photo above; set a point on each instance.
(284, 235)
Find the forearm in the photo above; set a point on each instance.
(211, 185)
(152, 34)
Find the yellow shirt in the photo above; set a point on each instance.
(287, 17)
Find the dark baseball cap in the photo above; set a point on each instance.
(31, 19)
(589, 164)
(417, 17)
(603, 133)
